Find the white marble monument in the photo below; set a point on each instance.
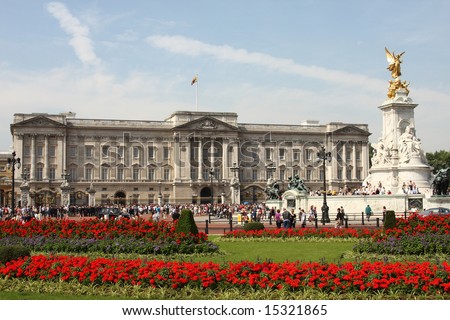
(398, 157)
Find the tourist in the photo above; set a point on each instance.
(368, 212)
(340, 216)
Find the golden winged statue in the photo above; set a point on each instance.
(394, 63)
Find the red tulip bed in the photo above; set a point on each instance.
(420, 278)
(347, 277)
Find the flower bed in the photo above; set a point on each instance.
(116, 245)
(95, 229)
(348, 277)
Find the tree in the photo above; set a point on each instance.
(439, 160)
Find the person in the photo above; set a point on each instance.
(384, 213)
(292, 218)
(303, 215)
(286, 215)
(312, 216)
(368, 212)
(278, 220)
(175, 215)
(339, 218)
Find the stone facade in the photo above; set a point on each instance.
(101, 161)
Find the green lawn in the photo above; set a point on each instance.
(279, 251)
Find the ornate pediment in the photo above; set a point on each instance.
(206, 123)
(39, 121)
(351, 130)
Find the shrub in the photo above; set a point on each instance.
(389, 220)
(186, 223)
(253, 226)
(9, 253)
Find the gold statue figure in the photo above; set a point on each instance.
(394, 63)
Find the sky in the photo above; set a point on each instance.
(280, 62)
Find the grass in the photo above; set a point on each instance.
(278, 251)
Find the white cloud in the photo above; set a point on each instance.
(80, 39)
(191, 47)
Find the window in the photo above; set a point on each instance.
(151, 174)
(349, 174)
(348, 155)
(151, 152)
(72, 151)
(309, 154)
(88, 173)
(120, 151)
(358, 155)
(205, 174)
(193, 174)
(308, 174)
(52, 151)
(136, 152)
(282, 174)
(52, 174)
(89, 151)
(296, 155)
(339, 174)
(166, 153)
(120, 173)
(73, 174)
(136, 174)
(295, 172)
(39, 151)
(321, 175)
(358, 174)
(268, 154)
(105, 151)
(105, 173)
(166, 174)
(282, 154)
(39, 173)
(255, 174)
(26, 150)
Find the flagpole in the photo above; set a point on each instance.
(196, 94)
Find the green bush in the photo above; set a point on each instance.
(9, 253)
(253, 226)
(389, 220)
(186, 222)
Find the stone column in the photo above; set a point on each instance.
(33, 158)
(46, 163)
(354, 161)
(225, 166)
(200, 159)
(344, 162)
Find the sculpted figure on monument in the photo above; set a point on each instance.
(272, 190)
(296, 183)
(394, 63)
(410, 146)
(440, 183)
(381, 155)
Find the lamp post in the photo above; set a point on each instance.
(211, 177)
(13, 163)
(324, 157)
(235, 183)
(159, 194)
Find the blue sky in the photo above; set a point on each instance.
(269, 61)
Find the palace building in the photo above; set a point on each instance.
(190, 157)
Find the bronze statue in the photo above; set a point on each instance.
(273, 190)
(440, 183)
(296, 183)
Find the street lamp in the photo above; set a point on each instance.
(13, 163)
(324, 157)
(211, 177)
(234, 183)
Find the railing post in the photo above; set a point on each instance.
(316, 223)
(231, 223)
(206, 226)
(362, 218)
(346, 223)
(378, 222)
